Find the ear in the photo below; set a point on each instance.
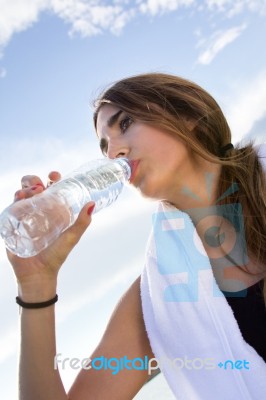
(190, 123)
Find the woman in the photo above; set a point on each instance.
(179, 143)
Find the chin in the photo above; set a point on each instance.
(150, 192)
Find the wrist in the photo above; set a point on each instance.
(35, 292)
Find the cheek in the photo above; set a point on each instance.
(177, 157)
(168, 148)
(155, 182)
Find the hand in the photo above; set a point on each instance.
(32, 184)
(37, 275)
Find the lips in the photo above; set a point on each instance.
(133, 165)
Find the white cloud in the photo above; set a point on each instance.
(92, 17)
(218, 41)
(247, 107)
(227, 7)
(257, 6)
(86, 17)
(154, 7)
(17, 15)
(221, 5)
(233, 7)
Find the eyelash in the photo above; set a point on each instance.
(128, 121)
(125, 121)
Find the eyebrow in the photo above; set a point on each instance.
(113, 119)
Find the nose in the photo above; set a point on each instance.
(116, 150)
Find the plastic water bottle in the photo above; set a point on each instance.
(30, 225)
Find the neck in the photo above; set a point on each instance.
(199, 189)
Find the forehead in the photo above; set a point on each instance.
(105, 113)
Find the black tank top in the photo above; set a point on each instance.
(250, 312)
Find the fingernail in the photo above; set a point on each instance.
(16, 195)
(90, 209)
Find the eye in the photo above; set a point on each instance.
(125, 123)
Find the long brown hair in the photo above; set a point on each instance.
(166, 101)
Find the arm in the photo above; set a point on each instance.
(37, 281)
(124, 336)
(37, 377)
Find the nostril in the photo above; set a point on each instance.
(120, 155)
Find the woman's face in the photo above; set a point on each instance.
(161, 162)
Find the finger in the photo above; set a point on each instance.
(29, 192)
(19, 195)
(28, 181)
(54, 176)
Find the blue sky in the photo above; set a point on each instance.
(55, 57)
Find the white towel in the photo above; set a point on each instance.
(191, 327)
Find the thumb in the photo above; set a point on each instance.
(73, 234)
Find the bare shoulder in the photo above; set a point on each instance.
(124, 338)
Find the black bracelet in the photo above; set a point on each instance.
(36, 305)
